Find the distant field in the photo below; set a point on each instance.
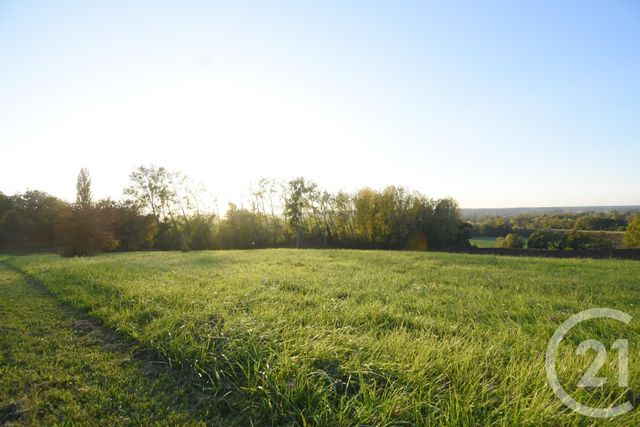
(323, 337)
(487, 242)
(483, 242)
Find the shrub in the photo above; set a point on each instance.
(538, 240)
(632, 235)
(511, 241)
(86, 231)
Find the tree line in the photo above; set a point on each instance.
(576, 231)
(524, 224)
(165, 210)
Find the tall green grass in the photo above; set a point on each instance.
(359, 337)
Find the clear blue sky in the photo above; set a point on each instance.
(497, 104)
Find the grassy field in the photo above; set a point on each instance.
(57, 365)
(483, 242)
(488, 242)
(308, 337)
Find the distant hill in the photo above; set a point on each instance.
(483, 212)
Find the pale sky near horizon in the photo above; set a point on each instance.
(495, 103)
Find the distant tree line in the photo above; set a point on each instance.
(590, 230)
(571, 240)
(165, 210)
(496, 226)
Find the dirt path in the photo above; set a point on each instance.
(56, 365)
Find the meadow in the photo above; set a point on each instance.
(483, 242)
(329, 337)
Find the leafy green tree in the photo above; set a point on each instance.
(632, 235)
(511, 241)
(365, 216)
(151, 188)
(575, 240)
(538, 240)
(83, 188)
(87, 228)
(242, 229)
(86, 232)
(6, 203)
(297, 201)
(446, 221)
(600, 241)
(343, 213)
(29, 221)
(132, 229)
(493, 227)
(201, 234)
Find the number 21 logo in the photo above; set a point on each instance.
(590, 378)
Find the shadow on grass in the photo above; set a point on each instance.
(173, 391)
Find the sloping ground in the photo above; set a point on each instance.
(57, 366)
(355, 337)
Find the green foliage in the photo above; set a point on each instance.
(632, 235)
(578, 240)
(342, 337)
(393, 218)
(201, 232)
(83, 188)
(298, 199)
(525, 224)
(170, 237)
(242, 229)
(86, 230)
(30, 221)
(163, 211)
(132, 229)
(539, 240)
(396, 218)
(493, 227)
(511, 240)
(151, 188)
(598, 221)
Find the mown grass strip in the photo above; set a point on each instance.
(59, 366)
